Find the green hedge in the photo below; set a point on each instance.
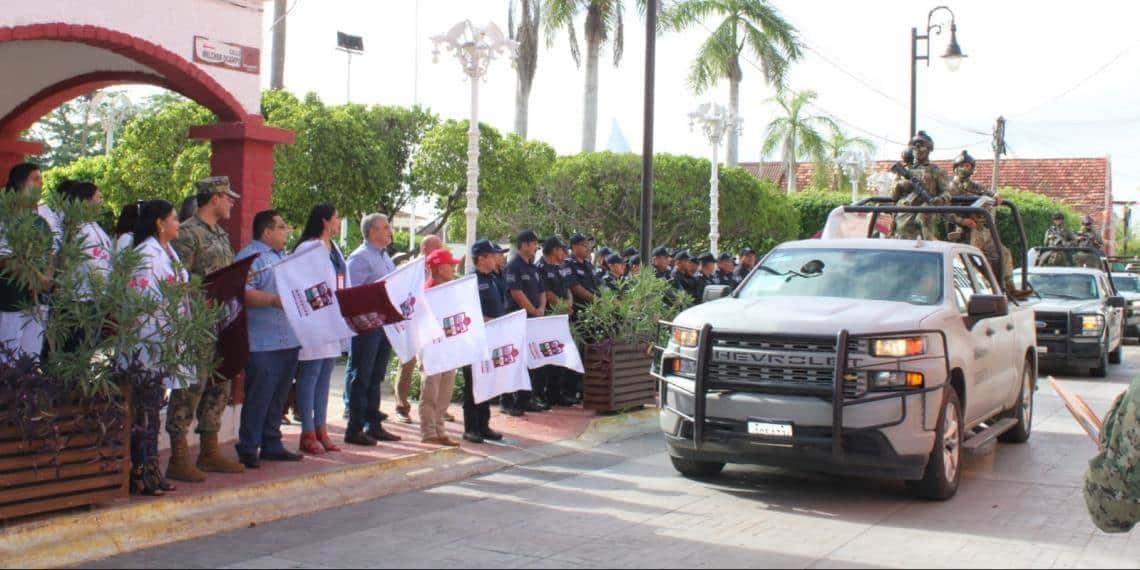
(1036, 216)
(814, 208)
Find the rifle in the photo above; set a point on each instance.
(917, 185)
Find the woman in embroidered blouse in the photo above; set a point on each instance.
(316, 363)
(157, 226)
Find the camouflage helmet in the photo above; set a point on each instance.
(1058, 216)
(1087, 221)
(922, 136)
(964, 158)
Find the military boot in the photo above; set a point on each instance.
(211, 460)
(180, 467)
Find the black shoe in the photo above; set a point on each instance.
(360, 438)
(473, 437)
(381, 434)
(567, 402)
(491, 435)
(383, 417)
(533, 406)
(514, 412)
(250, 460)
(283, 455)
(543, 405)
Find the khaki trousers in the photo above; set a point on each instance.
(435, 396)
(404, 385)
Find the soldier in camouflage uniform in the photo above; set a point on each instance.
(1058, 236)
(204, 247)
(1088, 237)
(1112, 484)
(920, 226)
(977, 228)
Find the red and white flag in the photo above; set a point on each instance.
(406, 290)
(306, 282)
(505, 369)
(549, 343)
(464, 339)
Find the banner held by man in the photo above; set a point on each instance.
(459, 314)
(405, 288)
(504, 370)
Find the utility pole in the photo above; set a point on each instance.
(277, 73)
(999, 149)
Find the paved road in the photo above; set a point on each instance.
(622, 506)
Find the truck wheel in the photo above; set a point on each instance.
(944, 469)
(1023, 413)
(1102, 370)
(1117, 356)
(696, 469)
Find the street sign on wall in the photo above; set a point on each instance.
(230, 56)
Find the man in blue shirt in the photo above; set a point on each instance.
(369, 353)
(492, 299)
(524, 291)
(272, 345)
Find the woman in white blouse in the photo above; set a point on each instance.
(97, 247)
(157, 226)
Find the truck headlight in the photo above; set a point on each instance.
(1091, 325)
(686, 337)
(895, 380)
(898, 347)
(683, 367)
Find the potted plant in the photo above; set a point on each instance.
(65, 415)
(616, 332)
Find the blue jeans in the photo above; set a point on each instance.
(268, 377)
(313, 379)
(367, 365)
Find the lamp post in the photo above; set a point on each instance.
(853, 164)
(351, 45)
(112, 108)
(714, 121)
(475, 48)
(953, 57)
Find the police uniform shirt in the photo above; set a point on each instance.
(491, 296)
(724, 278)
(583, 273)
(555, 278)
(661, 273)
(741, 272)
(523, 276)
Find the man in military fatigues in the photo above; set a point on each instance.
(1058, 236)
(1088, 237)
(203, 247)
(1112, 484)
(725, 272)
(906, 191)
(975, 230)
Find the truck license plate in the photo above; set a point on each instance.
(769, 429)
(1043, 349)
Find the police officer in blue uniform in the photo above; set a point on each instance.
(556, 282)
(682, 276)
(747, 262)
(725, 271)
(493, 299)
(661, 261)
(524, 291)
(615, 276)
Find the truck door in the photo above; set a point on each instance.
(1114, 317)
(982, 362)
(1009, 357)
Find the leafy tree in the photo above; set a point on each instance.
(525, 32)
(753, 25)
(799, 134)
(830, 174)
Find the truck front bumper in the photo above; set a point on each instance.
(1063, 351)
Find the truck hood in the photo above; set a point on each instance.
(823, 316)
(1066, 306)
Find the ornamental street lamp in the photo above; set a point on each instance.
(853, 164)
(475, 48)
(953, 57)
(714, 121)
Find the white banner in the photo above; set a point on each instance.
(306, 282)
(505, 369)
(459, 314)
(549, 343)
(406, 290)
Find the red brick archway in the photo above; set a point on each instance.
(242, 143)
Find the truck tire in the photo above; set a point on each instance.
(1102, 370)
(1117, 356)
(1023, 412)
(944, 468)
(696, 469)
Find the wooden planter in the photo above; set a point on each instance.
(30, 483)
(617, 377)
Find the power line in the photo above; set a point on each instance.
(1080, 83)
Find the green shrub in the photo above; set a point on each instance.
(1036, 216)
(814, 208)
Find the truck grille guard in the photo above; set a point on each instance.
(838, 400)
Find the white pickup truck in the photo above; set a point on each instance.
(865, 357)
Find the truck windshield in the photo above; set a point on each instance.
(1126, 283)
(1064, 285)
(877, 275)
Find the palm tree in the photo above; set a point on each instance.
(839, 144)
(744, 24)
(526, 34)
(798, 133)
(603, 24)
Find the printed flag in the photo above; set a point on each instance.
(459, 314)
(367, 308)
(306, 282)
(549, 343)
(226, 288)
(504, 370)
(406, 290)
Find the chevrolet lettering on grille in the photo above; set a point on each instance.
(757, 358)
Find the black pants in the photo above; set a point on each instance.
(549, 384)
(476, 417)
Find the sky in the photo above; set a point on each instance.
(1064, 79)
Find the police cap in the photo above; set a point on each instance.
(526, 236)
(485, 247)
(614, 258)
(578, 238)
(661, 252)
(706, 257)
(726, 256)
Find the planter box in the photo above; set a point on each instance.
(31, 482)
(617, 377)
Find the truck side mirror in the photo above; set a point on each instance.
(714, 292)
(1116, 302)
(987, 307)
